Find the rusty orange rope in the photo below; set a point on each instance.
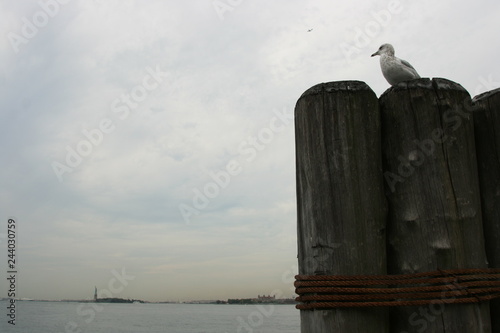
(442, 286)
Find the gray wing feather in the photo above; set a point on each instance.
(407, 64)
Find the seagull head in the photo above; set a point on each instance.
(387, 49)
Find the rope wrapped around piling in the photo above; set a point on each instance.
(442, 286)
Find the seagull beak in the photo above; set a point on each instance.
(376, 53)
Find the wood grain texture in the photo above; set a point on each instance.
(434, 220)
(341, 205)
(487, 133)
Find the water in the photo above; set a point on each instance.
(63, 317)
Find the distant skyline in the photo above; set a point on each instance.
(148, 146)
(104, 295)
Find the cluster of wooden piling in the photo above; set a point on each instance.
(405, 183)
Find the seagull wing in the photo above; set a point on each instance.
(406, 63)
(409, 67)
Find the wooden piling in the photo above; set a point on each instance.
(434, 220)
(340, 199)
(487, 133)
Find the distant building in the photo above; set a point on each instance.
(265, 298)
(95, 294)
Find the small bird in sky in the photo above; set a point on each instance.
(395, 70)
(310, 30)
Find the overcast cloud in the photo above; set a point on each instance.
(157, 137)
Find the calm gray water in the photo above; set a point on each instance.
(62, 317)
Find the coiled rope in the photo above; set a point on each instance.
(442, 286)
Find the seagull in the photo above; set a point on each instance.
(310, 30)
(395, 70)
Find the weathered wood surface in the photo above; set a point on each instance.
(434, 219)
(487, 131)
(340, 198)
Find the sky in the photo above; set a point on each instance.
(148, 146)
